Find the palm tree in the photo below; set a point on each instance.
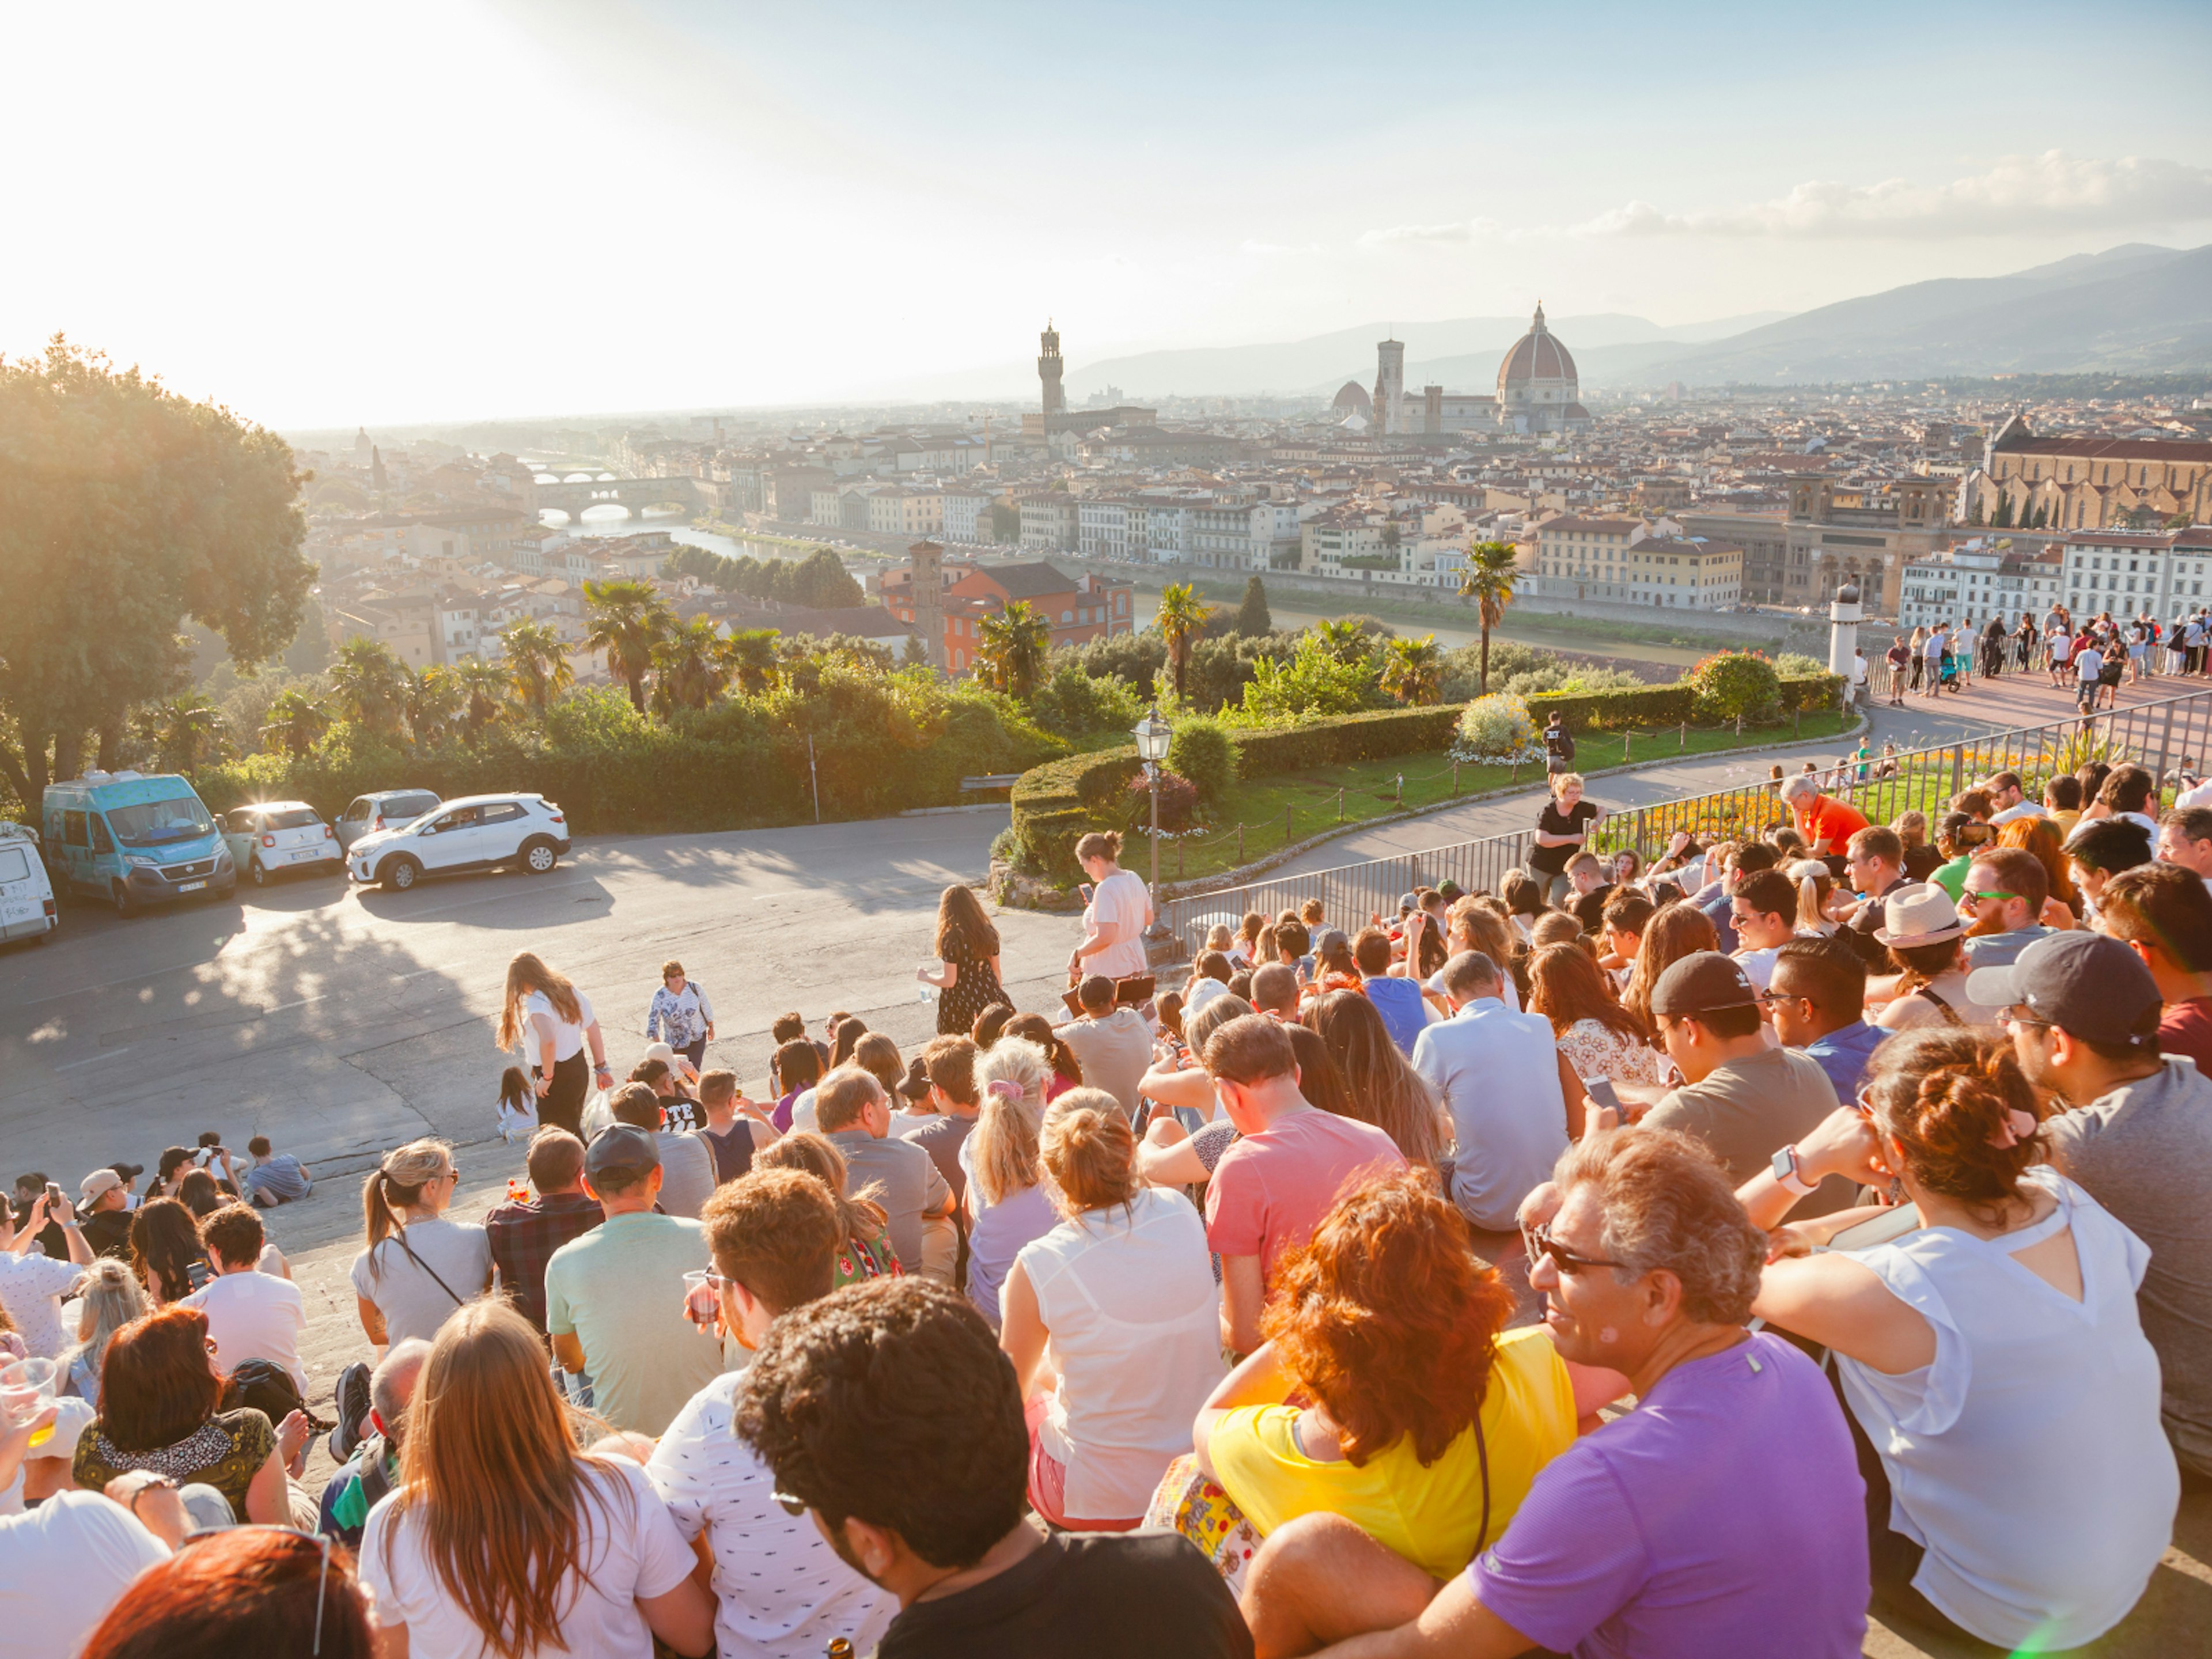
(1344, 640)
(752, 658)
(486, 685)
(537, 664)
(1180, 619)
(1490, 574)
(690, 667)
(187, 732)
(627, 619)
(1412, 671)
(1011, 649)
(297, 720)
(370, 684)
(434, 699)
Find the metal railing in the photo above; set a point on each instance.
(2166, 736)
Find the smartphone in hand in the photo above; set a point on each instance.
(1601, 1092)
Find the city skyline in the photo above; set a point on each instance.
(487, 209)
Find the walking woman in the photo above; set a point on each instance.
(968, 945)
(418, 1267)
(681, 1015)
(1115, 916)
(1920, 651)
(546, 1019)
(502, 1537)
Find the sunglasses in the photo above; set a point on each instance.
(1972, 897)
(322, 1577)
(1540, 1245)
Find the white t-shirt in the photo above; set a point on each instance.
(412, 1302)
(2026, 809)
(779, 1587)
(630, 1548)
(2199, 796)
(1758, 965)
(1119, 900)
(31, 1289)
(251, 1315)
(64, 1564)
(2088, 664)
(567, 1039)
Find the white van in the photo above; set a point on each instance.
(26, 897)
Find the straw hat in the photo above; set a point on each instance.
(1925, 915)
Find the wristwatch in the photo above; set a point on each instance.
(1786, 1170)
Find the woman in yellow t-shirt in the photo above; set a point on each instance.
(1427, 1421)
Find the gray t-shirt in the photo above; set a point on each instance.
(407, 1292)
(1747, 1110)
(1114, 1052)
(911, 1185)
(687, 1174)
(2144, 1151)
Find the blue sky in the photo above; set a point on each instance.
(417, 211)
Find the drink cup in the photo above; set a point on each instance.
(701, 1305)
(26, 1388)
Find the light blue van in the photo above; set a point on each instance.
(134, 840)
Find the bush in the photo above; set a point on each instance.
(1499, 728)
(1056, 803)
(1178, 802)
(1203, 752)
(1736, 685)
(1074, 704)
(1641, 705)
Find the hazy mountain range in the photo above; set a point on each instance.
(2135, 308)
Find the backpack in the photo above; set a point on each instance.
(267, 1387)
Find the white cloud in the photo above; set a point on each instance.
(2018, 194)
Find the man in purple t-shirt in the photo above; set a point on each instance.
(1272, 1189)
(1724, 1514)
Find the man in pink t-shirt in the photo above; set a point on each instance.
(1272, 1187)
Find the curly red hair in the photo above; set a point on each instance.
(1388, 1318)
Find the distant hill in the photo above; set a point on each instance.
(1451, 353)
(2131, 308)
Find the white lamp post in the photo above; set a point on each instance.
(1151, 734)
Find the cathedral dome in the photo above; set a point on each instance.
(1536, 357)
(1352, 399)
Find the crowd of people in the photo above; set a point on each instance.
(2090, 658)
(1455, 1281)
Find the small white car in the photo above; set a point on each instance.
(27, 896)
(270, 837)
(384, 809)
(476, 832)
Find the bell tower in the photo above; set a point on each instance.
(928, 595)
(1048, 367)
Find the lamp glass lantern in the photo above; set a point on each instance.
(1152, 734)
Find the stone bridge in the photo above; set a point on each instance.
(635, 494)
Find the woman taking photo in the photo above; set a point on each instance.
(1995, 1344)
(1596, 1035)
(1562, 828)
(502, 1537)
(418, 1266)
(159, 1389)
(166, 1250)
(548, 1021)
(1115, 917)
(968, 951)
(1118, 1306)
(1381, 1087)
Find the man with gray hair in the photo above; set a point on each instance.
(1825, 823)
(1514, 1100)
(854, 1114)
(374, 1469)
(1658, 1533)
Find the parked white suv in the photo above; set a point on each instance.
(476, 832)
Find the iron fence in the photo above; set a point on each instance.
(2171, 737)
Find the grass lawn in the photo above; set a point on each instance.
(1317, 800)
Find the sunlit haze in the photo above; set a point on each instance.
(323, 215)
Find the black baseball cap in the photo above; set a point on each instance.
(1703, 982)
(620, 1146)
(128, 1171)
(2090, 984)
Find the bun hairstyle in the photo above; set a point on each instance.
(397, 1184)
(1098, 844)
(1958, 1102)
(1088, 1151)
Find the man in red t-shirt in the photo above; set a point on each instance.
(1272, 1189)
(2163, 913)
(1825, 823)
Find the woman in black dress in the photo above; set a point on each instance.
(968, 945)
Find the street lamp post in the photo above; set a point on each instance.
(1152, 734)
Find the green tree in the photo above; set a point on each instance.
(1010, 649)
(690, 667)
(1490, 578)
(821, 582)
(1343, 638)
(435, 699)
(916, 655)
(1005, 522)
(537, 664)
(753, 658)
(626, 619)
(1182, 619)
(1252, 616)
(370, 685)
(124, 510)
(1413, 670)
(486, 685)
(297, 720)
(186, 732)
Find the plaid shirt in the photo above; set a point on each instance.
(524, 1237)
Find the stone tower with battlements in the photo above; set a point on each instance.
(1388, 411)
(1048, 367)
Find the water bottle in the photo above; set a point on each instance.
(927, 993)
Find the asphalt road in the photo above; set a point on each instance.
(341, 1022)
